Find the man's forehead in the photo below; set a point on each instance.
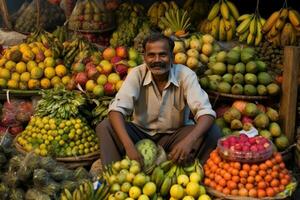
(162, 43)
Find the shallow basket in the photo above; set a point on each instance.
(215, 94)
(69, 162)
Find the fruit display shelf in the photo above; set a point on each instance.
(70, 162)
(217, 95)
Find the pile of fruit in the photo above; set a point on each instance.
(126, 180)
(104, 75)
(243, 116)
(34, 177)
(221, 20)
(195, 50)
(57, 129)
(130, 26)
(89, 15)
(282, 27)
(258, 180)
(238, 72)
(31, 66)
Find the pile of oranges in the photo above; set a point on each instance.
(265, 179)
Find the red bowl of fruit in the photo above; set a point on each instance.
(242, 148)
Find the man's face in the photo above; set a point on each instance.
(158, 57)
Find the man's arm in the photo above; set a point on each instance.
(182, 150)
(118, 123)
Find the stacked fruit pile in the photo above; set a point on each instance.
(130, 26)
(157, 10)
(221, 22)
(88, 15)
(56, 128)
(258, 180)
(239, 72)
(104, 77)
(126, 180)
(243, 116)
(31, 66)
(194, 50)
(282, 26)
(250, 27)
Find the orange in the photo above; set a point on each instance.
(276, 168)
(273, 160)
(261, 185)
(282, 165)
(278, 157)
(216, 159)
(268, 178)
(211, 175)
(246, 167)
(234, 172)
(227, 176)
(207, 181)
(218, 178)
(231, 185)
(236, 179)
(255, 167)
(269, 163)
(261, 193)
(213, 184)
(243, 192)
(243, 180)
(258, 178)
(219, 188)
(222, 182)
(226, 166)
(262, 173)
(250, 179)
(274, 183)
(270, 192)
(263, 166)
(249, 186)
(252, 173)
(234, 192)
(241, 185)
(243, 174)
(274, 174)
(252, 192)
(226, 191)
(281, 188)
(237, 165)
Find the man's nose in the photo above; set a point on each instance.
(157, 58)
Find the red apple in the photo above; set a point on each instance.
(89, 65)
(243, 138)
(121, 51)
(253, 148)
(245, 148)
(115, 60)
(109, 89)
(221, 110)
(92, 73)
(252, 140)
(121, 70)
(261, 108)
(81, 78)
(246, 119)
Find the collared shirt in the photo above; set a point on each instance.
(161, 113)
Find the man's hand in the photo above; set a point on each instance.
(180, 152)
(133, 154)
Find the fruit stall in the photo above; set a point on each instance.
(63, 61)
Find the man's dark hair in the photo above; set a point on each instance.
(154, 37)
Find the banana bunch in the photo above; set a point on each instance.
(61, 33)
(222, 20)
(282, 26)
(165, 175)
(48, 40)
(176, 21)
(86, 192)
(125, 9)
(100, 112)
(249, 29)
(158, 10)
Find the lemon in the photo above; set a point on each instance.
(134, 192)
(25, 76)
(143, 197)
(149, 189)
(48, 53)
(188, 198)
(12, 84)
(55, 81)
(204, 197)
(33, 84)
(3, 83)
(30, 65)
(36, 72)
(195, 177)
(177, 191)
(45, 83)
(21, 67)
(4, 73)
(42, 65)
(60, 70)
(193, 189)
(15, 76)
(2, 61)
(49, 72)
(43, 152)
(65, 80)
(10, 65)
(183, 180)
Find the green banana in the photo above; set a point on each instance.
(165, 187)
(165, 166)
(214, 11)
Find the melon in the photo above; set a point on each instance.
(148, 150)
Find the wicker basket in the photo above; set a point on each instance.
(214, 94)
(69, 162)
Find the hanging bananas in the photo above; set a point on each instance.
(249, 29)
(176, 21)
(221, 21)
(282, 27)
(158, 10)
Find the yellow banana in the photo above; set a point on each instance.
(258, 38)
(270, 21)
(275, 40)
(279, 24)
(250, 39)
(243, 36)
(214, 11)
(229, 34)
(294, 18)
(262, 21)
(293, 37)
(234, 11)
(227, 24)
(224, 10)
(208, 27)
(253, 25)
(273, 31)
(284, 13)
(222, 31)
(244, 17)
(215, 26)
(233, 24)
(244, 25)
(286, 34)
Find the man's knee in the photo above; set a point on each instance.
(103, 127)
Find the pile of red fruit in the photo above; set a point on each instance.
(245, 149)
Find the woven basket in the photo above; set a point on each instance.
(220, 196)
(69, 162)
(214, 94)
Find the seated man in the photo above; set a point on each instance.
(160, 95)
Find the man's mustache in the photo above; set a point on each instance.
(158, 64)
